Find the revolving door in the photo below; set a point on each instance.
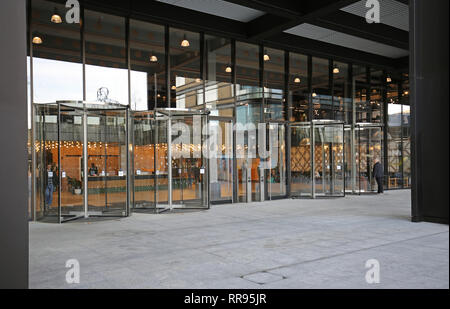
(364, 146)
(317, 159)
(81, 161)
(170, 160)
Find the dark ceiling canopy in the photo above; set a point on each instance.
(269, 28)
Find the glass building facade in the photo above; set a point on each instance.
(150, 66)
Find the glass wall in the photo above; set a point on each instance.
(377, 88)
(321, 91)
(57, 63)
(186, 85)
(219, 90)
(360, 94)
(298, 88)
(236, 81)
(106, 58)
(406, 134)
(148, 66)
(273, 82)
(394, 137)
(342, 100)
(248, 116)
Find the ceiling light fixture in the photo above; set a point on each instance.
(266, 56)
(153, 58)
(56, 18)
(297, 80)
(37, 39)
(314, 94)
(388, 79)
(185, 42)
(228, 69)
(336, 70)
(174, 87)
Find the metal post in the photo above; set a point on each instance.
(85, 161)
(169, 160)
(127, 129)
(59, 163)
(313, 159)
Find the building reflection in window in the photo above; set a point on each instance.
(219, 90)
(321, 92)
(186, 85)
(360, 94)
(394, 140)
(376, 95)
(274, 84)
(298, 87)
(106, 61)
(147, 56)
(57, 63)
(342, 101)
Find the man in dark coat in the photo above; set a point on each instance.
(378, 174)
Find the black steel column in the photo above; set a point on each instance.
(13, 125)
(429, 109)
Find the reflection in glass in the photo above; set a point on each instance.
(342, 101)
(360, 94)
(186, 85)
(274, 85)
(57, 64)
(321, 92)
(394, 138)
(147, 55)
(376, 96)
(298, 87)
(219, 91)
(248, 115)
(221, 163)
(106, 62)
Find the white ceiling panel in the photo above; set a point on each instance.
(345, 40)
(392, 12)
(218, 8)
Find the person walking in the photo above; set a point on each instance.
(49, 186)
(378, 174)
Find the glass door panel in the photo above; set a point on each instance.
(161, 164)
(72, 202)
(107, 163)
(46, 152)
(276, 168)
(221, 160)
(249, 167)
(301, 163)
(189, 165)
(370, 143)
(144, 162)
(329, 160)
